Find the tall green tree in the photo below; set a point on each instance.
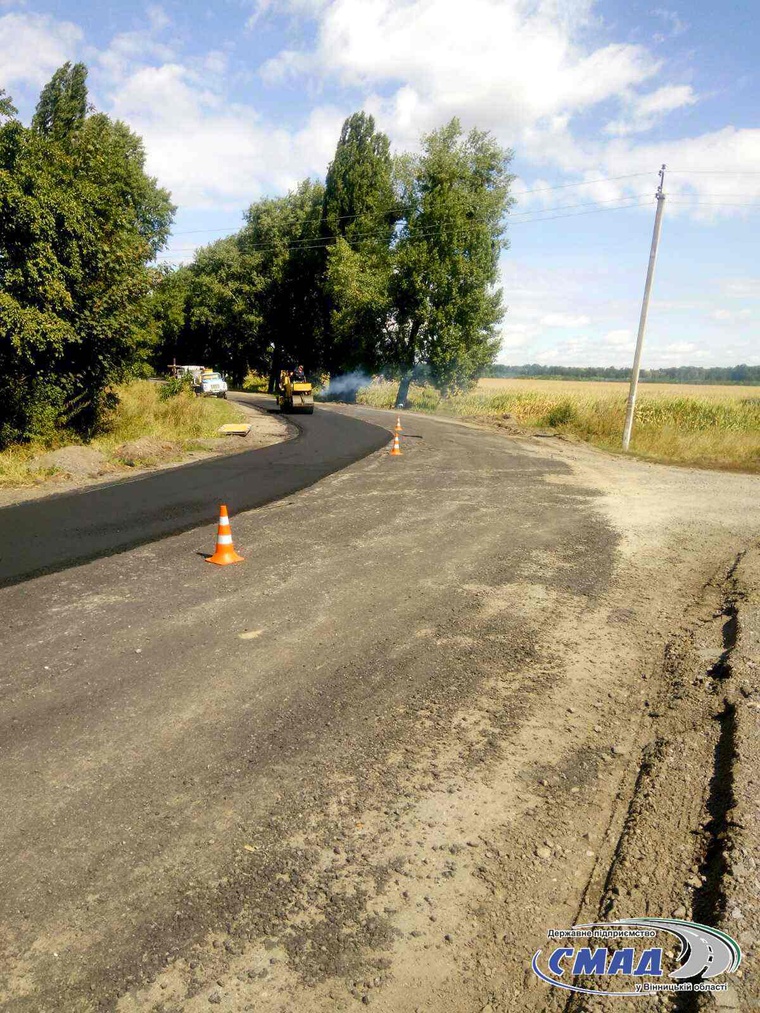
(224, 312)
(358, 222)
(251, 300)
(166, 309)
(7, 108)
(62, 107)
(384, 268)
(357, 285)
(359, 202)
(283, 236)
(445, 304)
(79, 222)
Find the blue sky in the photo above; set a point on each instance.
(242, 98)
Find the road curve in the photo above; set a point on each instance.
(65, 530)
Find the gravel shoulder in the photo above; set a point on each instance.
(373, 765)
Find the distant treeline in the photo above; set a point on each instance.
(671, 374)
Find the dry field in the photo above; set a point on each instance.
(705, 426)
(613, 388)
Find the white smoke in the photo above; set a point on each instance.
(344, 387)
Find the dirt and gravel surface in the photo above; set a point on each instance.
(450, 700)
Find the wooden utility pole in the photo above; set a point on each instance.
(631, 408)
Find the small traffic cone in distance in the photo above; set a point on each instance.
(225, 552)
(396, 448)
(397, 428)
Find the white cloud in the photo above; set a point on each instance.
(673, 22)
(215, 62)
(730, 316)
(742, 288)
(664, 100)
(677, 348)
(524, 71)
(132, 49)
(645, 110)
(619, 337)
(704, 173)
(536, 294)
(513, 339)
(286, 64)
(158, 19)
(542, 299)
(33, 46)
(565, 320)
(573, 352)
(210, 153)
(260, 8)
(501, 63)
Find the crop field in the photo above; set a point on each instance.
(617, 388)
(705, 426)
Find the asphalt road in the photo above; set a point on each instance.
(158, 714)
(60, 531)
(270, 786)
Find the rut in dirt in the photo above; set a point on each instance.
(670, 859)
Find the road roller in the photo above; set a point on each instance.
(294, 393)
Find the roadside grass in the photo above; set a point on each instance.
(14, 466)
(704, 432)
(141, 412)
(178, 423)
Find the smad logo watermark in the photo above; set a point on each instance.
(631, 952)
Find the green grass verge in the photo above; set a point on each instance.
(141, 412)
(179, 421)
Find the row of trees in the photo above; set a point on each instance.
(80, 223)
(388, 266)
(668, 374)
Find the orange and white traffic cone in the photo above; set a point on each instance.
(396, 448)
(397, 428)
(225, 552)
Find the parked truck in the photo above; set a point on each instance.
(206, 382)
(211, 384)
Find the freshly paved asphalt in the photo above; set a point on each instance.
(65, 530)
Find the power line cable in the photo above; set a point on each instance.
(622, 207)
(587, 182)
(715, 172)
(319, 242)
(542, 189)
(713, 204)
(537, 214)
(405, 207)
(586, 204)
